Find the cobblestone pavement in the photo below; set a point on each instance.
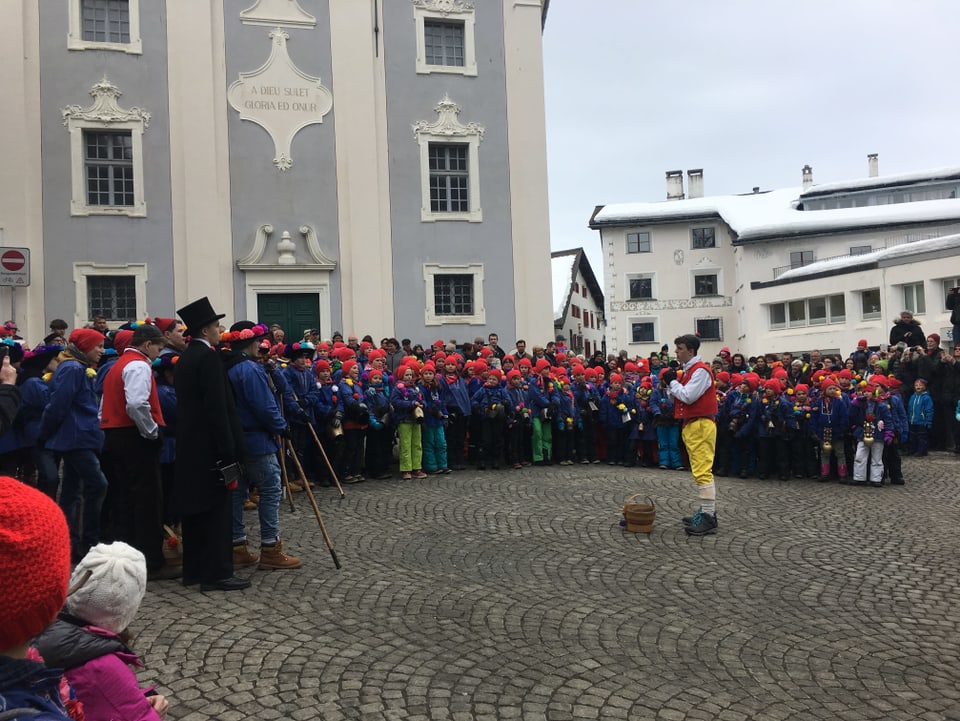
(515, 595)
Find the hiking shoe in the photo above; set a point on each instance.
(273, 557)
(702, 524)
(695, 518)
(242, 556)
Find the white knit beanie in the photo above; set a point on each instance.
(116, 579)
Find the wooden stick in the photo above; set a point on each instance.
(283, 472)
(333, 474)
(313, 502)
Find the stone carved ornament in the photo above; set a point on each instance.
(105, 108)
(286, 249)
(445, 7)
(447, 123)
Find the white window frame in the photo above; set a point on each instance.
(910, 289)
(431, 270)
(777, 326)
(647, 319)
(719, 321)
(75, 39)
(106, 115)
(82, 271)
(716, 240)
(875, 315)
(446, 11)
(626, 242)
(706, 271)
(640, 276)
(446, 130)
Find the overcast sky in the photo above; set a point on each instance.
(748, 90)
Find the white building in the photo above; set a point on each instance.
(817, 267)
(578, 302)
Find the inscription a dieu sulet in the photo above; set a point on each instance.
(280, 98)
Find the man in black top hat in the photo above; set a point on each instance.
(208, 436)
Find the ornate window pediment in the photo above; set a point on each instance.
(105, 116)
(286, 251)
(277, 12)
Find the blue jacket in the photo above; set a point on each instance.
(30, 685)
(304, 387)
(329, 404)
(541, 394)
(744, 412)
(779, 412)
(455, 396)
(167, 395)
(899, 411)
(257, 407)
(831, 415)
(378, 401)
(612, 416)
(291, 409)
(403, 400)
(70, 421)
(920, 412)
(860, 408)
(661, 404)
(34, 394)
(436, 413)
(485, 398)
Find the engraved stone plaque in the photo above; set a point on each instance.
(280, 98)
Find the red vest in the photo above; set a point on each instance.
(705, 406)
(113, 408)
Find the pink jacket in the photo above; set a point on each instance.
(107, 687)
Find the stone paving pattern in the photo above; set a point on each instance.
(516, 595)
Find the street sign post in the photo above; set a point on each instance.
(15, 267)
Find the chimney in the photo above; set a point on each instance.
(807, 176)
(695, 183)
(674, 185)
(873, 165)
(756, 189)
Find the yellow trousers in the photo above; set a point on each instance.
(700, 439)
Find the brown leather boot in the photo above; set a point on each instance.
(242, 557)
(274, 557)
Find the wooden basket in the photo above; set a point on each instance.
(639, 516)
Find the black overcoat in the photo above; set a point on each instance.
(208, 429)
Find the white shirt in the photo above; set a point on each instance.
(698, 384)
(137, 384)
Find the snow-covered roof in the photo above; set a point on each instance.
(562, 274)
(773, 214)
(917, 176)
(947, 242)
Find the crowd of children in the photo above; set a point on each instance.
(778, 418)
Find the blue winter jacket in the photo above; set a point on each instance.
(70, 421)
(454, 395)
(403, 399)
(920, 412)
(167, 396)
(257, 407)
(34, 394)
(304, 387)
(436, 413)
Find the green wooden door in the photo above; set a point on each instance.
(294, 312)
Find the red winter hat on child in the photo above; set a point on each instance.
(801, 388)
(34, 560)
(321, 364)
(541, 365)
(514, 374)
(86, 339)
(347, 366)
(616, 378)
(862, 343)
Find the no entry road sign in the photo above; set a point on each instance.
(15, 266)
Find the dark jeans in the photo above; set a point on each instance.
(456, 431)
(81, 499)
(135, 495)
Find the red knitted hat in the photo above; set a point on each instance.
(120, 341)
(801, 388)
(34, 561)
(347, 366)
(495, 373)
(514, 374)
(616, 378)
(542, 364)
(429, 366)
(86, 339)
(321, 365)
(165, 324)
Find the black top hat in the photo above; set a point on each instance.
(198, 314)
